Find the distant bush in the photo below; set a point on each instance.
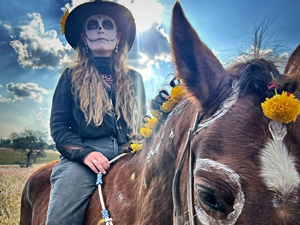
(11, 157)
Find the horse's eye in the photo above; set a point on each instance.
(208, 197)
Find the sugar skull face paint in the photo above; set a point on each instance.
(101, 35)
(94, 25)
(100, 23)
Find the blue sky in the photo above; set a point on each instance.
(33, 52)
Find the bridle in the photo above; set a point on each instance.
(178, 217)
(198, 125)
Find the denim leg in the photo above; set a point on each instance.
(72, 185)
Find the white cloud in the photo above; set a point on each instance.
(145, 12)
(153, 43)
(2, 99)
(279, 60)
(38, 48)
(74, 4)
(41, 119)
(7, 27)
(163, 57)
(163, 33)
(27, 90)
(144, 66)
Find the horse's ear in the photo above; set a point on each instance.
(292, 67)
(196, 65)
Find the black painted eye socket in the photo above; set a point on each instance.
(92, 25)
(208, 197)
(108, 25)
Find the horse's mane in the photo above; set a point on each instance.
(258, 70)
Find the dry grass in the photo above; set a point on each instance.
(12, 181)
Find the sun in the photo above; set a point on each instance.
(145, 12)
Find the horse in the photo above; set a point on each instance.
(216, 159)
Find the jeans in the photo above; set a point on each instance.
(73, 183)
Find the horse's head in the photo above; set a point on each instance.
(246, 166)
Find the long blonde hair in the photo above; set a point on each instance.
(88, 88)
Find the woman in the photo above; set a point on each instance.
(93, 105)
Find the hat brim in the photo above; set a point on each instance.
(76, 19)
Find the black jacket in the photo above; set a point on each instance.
(68, 125)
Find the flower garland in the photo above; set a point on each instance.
(282, 108)
(63, 21)
(176, 95)
(135, 146)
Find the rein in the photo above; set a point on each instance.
(135, 126)
(106, 218)
(178, 218)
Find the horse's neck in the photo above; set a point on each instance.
(144, 180)
(159, 162)
(159, 155)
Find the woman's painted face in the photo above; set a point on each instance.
(101, 35)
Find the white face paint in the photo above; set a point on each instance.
(101, 35)
(120, 198)
(231, 177)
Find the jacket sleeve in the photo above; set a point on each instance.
(68, 143)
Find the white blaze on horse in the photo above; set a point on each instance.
(234, 165)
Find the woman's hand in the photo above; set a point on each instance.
(97, 162)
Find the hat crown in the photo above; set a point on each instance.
(120, 14)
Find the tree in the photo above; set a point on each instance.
(29, 142)
(5, 143)
(52, 145)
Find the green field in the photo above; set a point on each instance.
(12, 181)
(12, 157)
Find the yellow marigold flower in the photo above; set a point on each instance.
(132, 176)
(282, 108)
(146, 132)
(152, 123)
(167, 106)
(63, 21)
(156, 113)
(177, 93)
(136, 147)
(101, 221)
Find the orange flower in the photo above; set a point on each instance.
(152, 123)
(63, 21)
(177, 93)
(167, 106)
(282, 108)
(146, 132)
(136, 147)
